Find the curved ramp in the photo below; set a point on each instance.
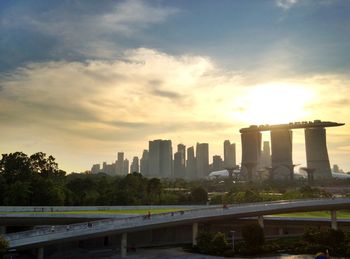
(44, 236)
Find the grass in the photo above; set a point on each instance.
(341, 214)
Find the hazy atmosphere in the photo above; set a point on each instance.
(82, 80)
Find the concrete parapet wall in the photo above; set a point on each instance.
(94, 208)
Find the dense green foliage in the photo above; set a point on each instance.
(211, 243)
(42, 183)
(253, 234)
(3, 246)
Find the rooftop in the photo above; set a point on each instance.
(292, 125)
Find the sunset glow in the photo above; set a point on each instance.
(275, 103)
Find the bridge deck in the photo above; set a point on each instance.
(39, 237)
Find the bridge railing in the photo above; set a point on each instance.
(93, 226)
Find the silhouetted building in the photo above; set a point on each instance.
(126, 167)
(160, 158)
(180, 162)
(218, 164)
(282, 153)
(120, 164)
(316, 152)
(134, 167)
(95, 169)
(251, 149)
(144, 163)
(202, 156)
(191, 164)
(229, 154)
(104, 167)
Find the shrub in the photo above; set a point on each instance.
(209, 243)
(203, 242)
(218, 243)
(253, 235)
(3, 246)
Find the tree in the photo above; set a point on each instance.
(253, 235)
(199, 195)
(203, 242)
(15, 167)
(154, 190)
(219, 243)
(18, 194)
(4, 245)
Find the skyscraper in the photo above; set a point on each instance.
(160, 158)
(202, 155)
(217, 163)
(126, 167)
(144, 163)
(96, 169)
(120, 164)
(134, 167)
(229, 154)
(191, 164)
(180, 162)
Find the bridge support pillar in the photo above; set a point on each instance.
(261, 221)
(194, 233)
(2, 230)
(40, 253)
(123, 245)
(334, 219)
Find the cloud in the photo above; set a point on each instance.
(85, 29)
(286, 4)
(85, 111)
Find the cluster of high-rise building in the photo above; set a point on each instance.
(160, 161)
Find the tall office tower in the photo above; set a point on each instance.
(316, 152)
(95, 169)
(251, 149)
(144, 163)
(265, 160)
(160, 159)
(180, 162)
(202, 155)
(177, 165)
(110, 169)
(282, 153)
(191, 164)
(125, 166)
(217, 163)
(120, 164)
(134, 167)
(154, 158)
(229, 154)
(166, 159)
(104, 167)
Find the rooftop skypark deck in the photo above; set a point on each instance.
(292, 125)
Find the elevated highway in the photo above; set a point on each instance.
(48, 235)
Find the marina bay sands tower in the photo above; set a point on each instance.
(282, 166)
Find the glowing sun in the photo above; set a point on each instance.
(274, 103)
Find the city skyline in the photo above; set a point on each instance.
(82, 80)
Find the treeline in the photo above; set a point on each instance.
(36, 180)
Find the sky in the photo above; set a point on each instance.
(82, 79)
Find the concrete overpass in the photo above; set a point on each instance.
(39, 238)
